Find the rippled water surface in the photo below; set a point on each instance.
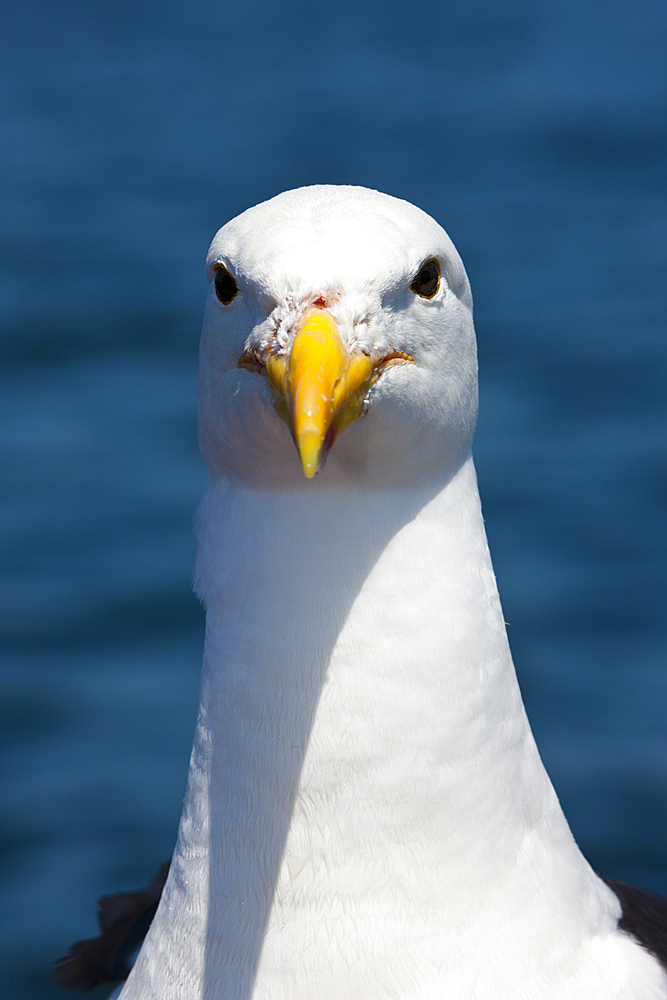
(535, 135)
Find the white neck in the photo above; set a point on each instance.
(365, 795)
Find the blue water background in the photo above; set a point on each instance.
(535, 133)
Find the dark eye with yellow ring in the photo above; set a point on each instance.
(225, 284)
(426, 282)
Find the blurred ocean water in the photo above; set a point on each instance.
(535, 135)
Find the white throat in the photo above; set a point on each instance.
(366, 813)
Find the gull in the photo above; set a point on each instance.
(367, 815)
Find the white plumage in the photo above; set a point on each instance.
(367, 815)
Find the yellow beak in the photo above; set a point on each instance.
(319, 387)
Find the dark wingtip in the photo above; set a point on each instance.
(644, 916)
(124, 919)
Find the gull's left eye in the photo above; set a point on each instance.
(426, 282)
(225, 284)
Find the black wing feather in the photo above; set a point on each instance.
(644, 916)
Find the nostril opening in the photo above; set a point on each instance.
(320, 302)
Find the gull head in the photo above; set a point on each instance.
(338, 345)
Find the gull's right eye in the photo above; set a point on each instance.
(225, 284)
